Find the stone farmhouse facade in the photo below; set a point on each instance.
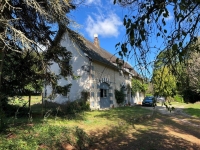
(99, 74)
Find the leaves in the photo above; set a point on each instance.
(138, 86)
(173, 24)
(24, 25)
(119, 96)
(175, 47)
(164, 82)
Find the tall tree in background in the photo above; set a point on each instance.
(164, 82)
(193, 71)
(187, 78)
(174, 23)
(24, 26)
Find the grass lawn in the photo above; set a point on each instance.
(55, 131)
(189, 108)
(127, 128)
(25, 99)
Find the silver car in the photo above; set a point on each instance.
(161, 100)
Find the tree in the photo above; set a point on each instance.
(190, 82)
(193, 71)
(164, 79)
(164, 82)
(138, 86)
(24, 26)
(119, 96)
(174, 23)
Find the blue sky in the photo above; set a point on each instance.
(104, 18)
(100, 17)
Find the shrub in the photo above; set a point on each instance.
(69, 108)
(149, 95)
(178, 98)
(47, 137)
(119, 96)
(85, 95)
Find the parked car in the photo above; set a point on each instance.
(160, 99)
(148, 101)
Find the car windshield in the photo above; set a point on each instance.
(148, 98)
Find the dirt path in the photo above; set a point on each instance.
(182, 119)
(168, 131)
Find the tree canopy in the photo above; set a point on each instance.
(184, 75)
(26, 26)
(173, 23)
(138, 86)
(164, 82)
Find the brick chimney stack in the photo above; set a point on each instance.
(96, 40)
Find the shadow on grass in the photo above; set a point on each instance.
(127, 114)
(156, 136)
(17, 115)
(136, 129)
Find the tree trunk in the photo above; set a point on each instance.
(29, 102)
(1, 96)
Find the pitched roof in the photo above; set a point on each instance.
(98, 53)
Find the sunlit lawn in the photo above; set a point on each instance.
(117, 128)
(189, 108)
(103, 119)
(52, 131)
(25, 99)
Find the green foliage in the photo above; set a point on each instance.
(148, 95)
(45, 137)
(178, 98)
(25, 26)
(138, 86)
(68, 109)
(57, 132)
(85, 95)
(119, 96)
(164, 82)
(21, 74)
(64, 90)
(150, 20)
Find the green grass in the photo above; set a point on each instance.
(52, 132)
(121, 128)
(28, 137)
(91, 129)
(25, 99)
(189, 108)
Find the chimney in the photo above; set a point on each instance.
(96, 40)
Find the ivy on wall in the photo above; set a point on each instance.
(85, 95)
(119, 96)
(138, 86)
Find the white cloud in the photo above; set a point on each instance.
(88, 2)
(105, 26)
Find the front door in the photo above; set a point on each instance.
(104, 95)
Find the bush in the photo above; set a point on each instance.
(149, 95)
(68, 108)
(178, 98)
(47, 137)
(119, 96)
(17, 111)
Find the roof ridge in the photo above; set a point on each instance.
(97, 53)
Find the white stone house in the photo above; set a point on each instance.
(98, 74)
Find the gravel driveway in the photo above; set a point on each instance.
(164, 110)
